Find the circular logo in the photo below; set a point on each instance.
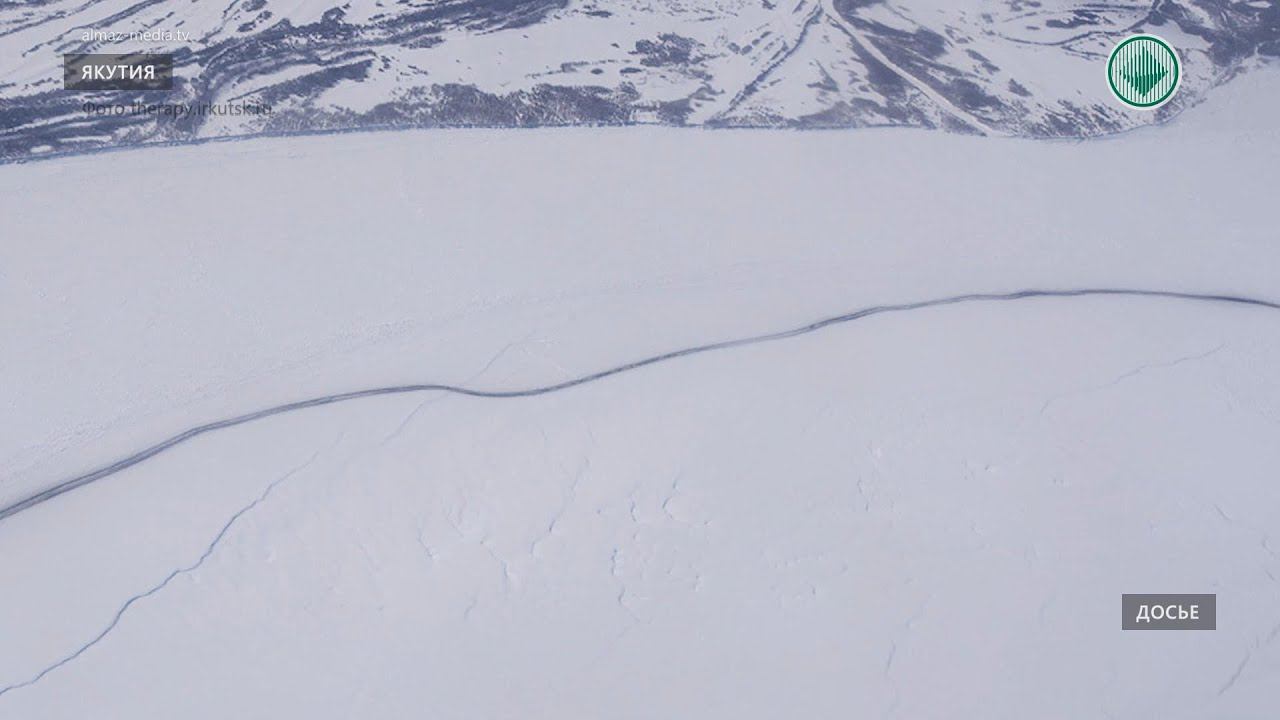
(1144, 71)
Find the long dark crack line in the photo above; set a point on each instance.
(120, 613)
(194, 432)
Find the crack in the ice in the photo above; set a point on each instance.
(621, 597)
(508, 578)
(422, 543)
(194, 432)
(1133, 373)
(671, 495)
(566, 502)
(906, 627)
(120, 613)
(431, 400)
(1235, 675)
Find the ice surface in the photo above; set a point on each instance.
(923, 514)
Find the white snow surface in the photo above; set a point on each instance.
(922, 515)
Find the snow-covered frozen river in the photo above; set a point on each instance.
(929, 513)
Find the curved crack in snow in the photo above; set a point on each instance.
(217, 539)
(191, 433)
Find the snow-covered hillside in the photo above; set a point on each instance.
(929, 513)
(1014, 67)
